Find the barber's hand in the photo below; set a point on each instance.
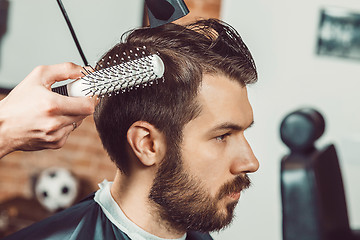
(34, 118)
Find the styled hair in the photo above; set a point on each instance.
(203, 47)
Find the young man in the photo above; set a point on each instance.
(179, 145)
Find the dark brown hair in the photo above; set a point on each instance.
(206, 46)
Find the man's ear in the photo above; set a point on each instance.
(147, 142)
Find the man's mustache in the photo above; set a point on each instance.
(240, 183)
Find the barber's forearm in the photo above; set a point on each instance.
(5, 142)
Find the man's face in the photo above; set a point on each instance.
(199, 183)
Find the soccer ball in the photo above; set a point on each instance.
(56, 189)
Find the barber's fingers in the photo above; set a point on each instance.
(74, 106)
(58, 138)
(55, 73)
(54, 125)
(76, 124)
(47, 75)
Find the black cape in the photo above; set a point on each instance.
(84, 221)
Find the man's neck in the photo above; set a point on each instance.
(131, 194)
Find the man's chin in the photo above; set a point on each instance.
(223, 218)
(227, 205)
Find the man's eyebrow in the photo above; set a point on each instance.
(231, 126)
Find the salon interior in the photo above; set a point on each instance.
(306, 134)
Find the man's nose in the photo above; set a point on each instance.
(244, 160)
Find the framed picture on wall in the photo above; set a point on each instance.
(339, 33)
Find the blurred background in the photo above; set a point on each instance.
(307, 54)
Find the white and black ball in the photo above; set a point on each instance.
(56, 189)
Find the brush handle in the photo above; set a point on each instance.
(73, 89)
(61, 90)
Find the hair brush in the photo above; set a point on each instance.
(135, 70)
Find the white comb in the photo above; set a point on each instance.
(140, 72)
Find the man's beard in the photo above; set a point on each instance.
(184, 203)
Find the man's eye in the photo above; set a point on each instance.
(222, 138)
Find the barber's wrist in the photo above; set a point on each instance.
(4, 144)
(5, 141)
(3, 152)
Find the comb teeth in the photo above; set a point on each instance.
(124, 72)
(125, 56)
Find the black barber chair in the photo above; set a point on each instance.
(313, 198)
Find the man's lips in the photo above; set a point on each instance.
(232, 189)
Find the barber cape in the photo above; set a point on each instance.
(96, 217)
